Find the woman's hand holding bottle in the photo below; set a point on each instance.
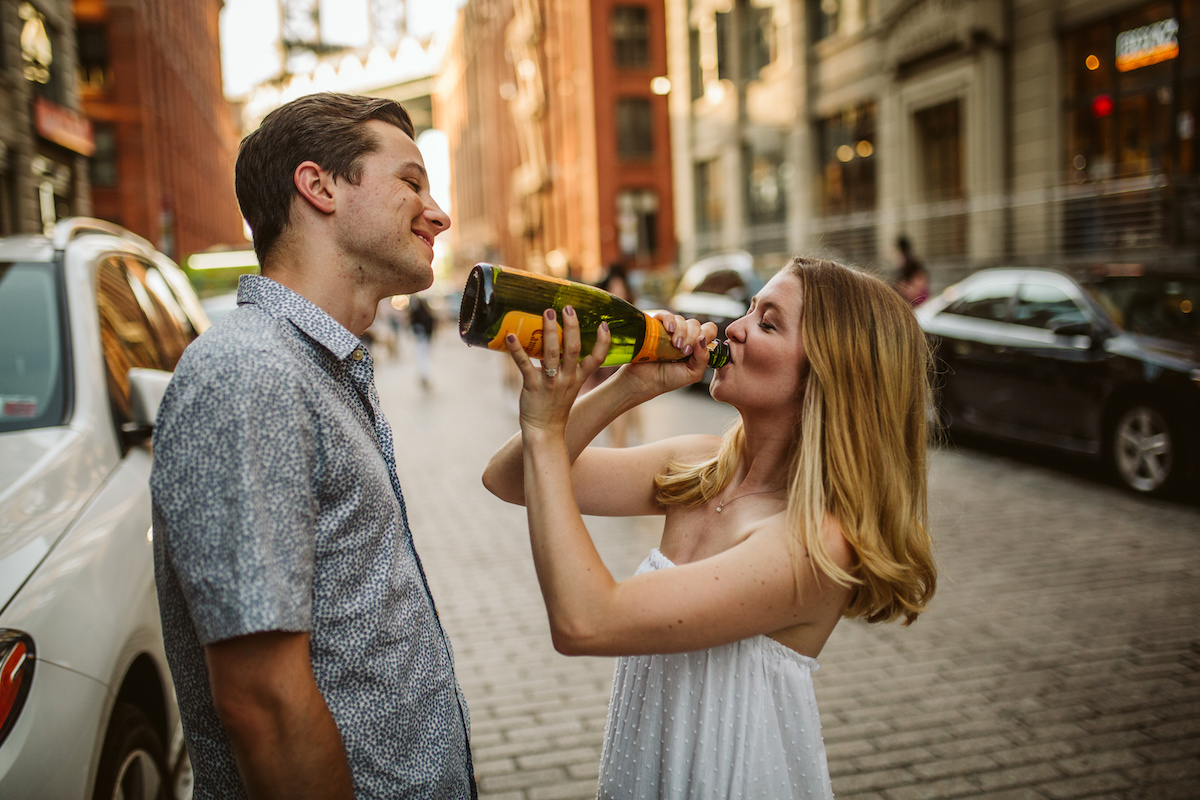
(652, 378)
(549, 390)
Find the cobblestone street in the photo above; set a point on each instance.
(1061, 658)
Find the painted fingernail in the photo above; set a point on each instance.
(569, 311)
(511, 338)
(550, 313)
(604, 327)
(687, 351)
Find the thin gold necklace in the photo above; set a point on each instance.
(721, 506)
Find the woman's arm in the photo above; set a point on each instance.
(750, 589)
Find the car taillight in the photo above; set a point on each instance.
(16, 675)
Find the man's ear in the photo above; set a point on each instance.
(315, 185)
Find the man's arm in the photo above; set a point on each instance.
(284, 737)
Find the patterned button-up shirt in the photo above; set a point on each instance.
(277, 508)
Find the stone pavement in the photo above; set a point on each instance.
(1061, 658)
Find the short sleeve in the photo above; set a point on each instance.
(234, 455)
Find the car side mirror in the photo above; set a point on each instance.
(1074, 329)
(146, 390)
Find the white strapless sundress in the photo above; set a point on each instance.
(735, 721)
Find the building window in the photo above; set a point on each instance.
(825, 18)
(766, 192)
(637, 223)
(92, 41)
(847, 158)
(724, 23)
(710, 196)
(695, 65)
(1123, 110)
(103, 163)
(635, 140)
(631, 37)
(758, 41)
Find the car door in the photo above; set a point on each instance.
(1057, 377)
(972, 333)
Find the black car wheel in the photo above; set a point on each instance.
(132, 765)
(1142, 449)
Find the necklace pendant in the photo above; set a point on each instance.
(722, 505)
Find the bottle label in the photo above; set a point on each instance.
(528, 330)
(651, 342)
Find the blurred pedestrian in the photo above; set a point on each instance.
(620, 430)
(811, 508)
(423, 323)
(911, 278)
(304, 645)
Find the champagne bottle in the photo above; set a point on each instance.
(498, 301)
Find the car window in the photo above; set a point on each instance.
(989, 301)
(1040, 305)
(1152, 305)
(723, 281)
(167, 319)
(32, 352)
(126, 333)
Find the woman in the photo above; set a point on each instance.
(811, 508)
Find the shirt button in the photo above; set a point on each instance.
(357, 355)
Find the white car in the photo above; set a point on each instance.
(92, 319)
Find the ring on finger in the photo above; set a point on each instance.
(550, 371)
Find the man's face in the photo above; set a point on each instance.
(387, 223)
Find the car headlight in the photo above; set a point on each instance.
(16, 674)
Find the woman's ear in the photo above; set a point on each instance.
(315, 185)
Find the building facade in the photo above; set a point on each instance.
(44, 138)
(149, 76)
(986, 131)
(559, 135)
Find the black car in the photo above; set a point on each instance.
(717, 289)
(1105, 365)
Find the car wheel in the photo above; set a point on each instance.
(132, 765)
(1142, 449)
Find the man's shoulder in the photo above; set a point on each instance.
(246, 351)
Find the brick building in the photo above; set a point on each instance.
(560, 147)
(44, 138)
(165, 141)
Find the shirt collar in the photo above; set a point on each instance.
(282, 303)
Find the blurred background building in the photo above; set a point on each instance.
(650, 132)
(44, 137)
(560, 141)
(988, 131)
(149, 77)
(116, 110)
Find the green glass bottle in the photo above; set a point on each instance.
(498, 301)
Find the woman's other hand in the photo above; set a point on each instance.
(549, 389)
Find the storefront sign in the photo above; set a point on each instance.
(63, 126)
(1147, 45)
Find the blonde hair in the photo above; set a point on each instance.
(858, 452)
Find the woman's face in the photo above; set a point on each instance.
(767, 360)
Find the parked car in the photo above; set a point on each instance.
(1107, 365)
(717, 289)
(92, 320)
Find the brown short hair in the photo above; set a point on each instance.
(326, 128)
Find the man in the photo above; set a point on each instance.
(304, 644)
